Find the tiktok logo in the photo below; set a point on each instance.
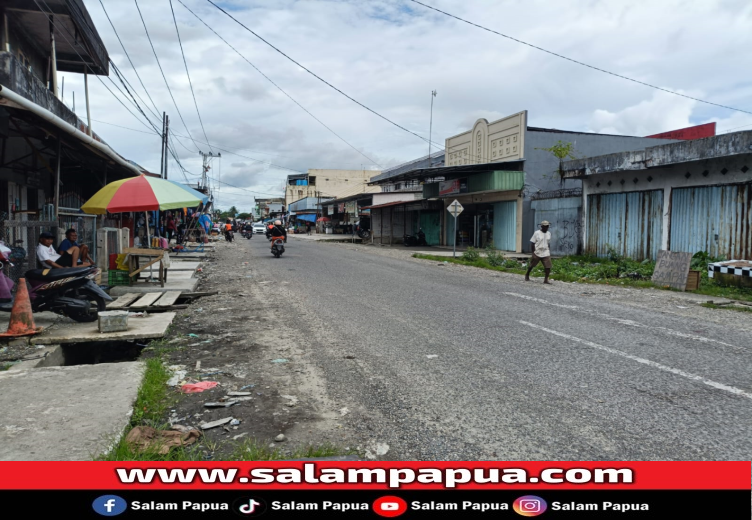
(250, 506)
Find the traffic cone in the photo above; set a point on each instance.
(21, 317)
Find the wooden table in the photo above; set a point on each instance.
(154, 255)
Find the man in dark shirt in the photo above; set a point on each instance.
(71, 237)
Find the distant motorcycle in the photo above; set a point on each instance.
(278, 246)
(229, 236)
(246, 234)
(415, 240)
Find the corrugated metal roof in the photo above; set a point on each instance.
(437, 159)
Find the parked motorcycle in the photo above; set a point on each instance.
(278, 247)
(70, 292)
(415, 240)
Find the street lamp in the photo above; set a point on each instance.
(430, 128)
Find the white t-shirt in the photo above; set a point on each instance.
(541, 240)
(47, 253)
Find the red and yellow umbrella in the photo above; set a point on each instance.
(143, 193)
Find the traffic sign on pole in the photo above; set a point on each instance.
(455, 208)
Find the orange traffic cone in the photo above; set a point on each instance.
(21, 318)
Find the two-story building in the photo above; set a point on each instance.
(51, 162)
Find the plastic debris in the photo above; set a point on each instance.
(246, 386)
(192, 335)
(239, 394)
(193, 388)
(281, 360)
(177, 376)
(163, 440)
(211, 373)
(234, 422)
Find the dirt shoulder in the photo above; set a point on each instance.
(238, 339)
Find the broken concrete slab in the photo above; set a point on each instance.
(65, 413)
(214, 424)
(152, 326)
(184, 265)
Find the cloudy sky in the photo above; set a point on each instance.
(389, 55)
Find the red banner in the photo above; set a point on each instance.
(329, 475)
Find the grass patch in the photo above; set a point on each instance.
(727, 307)
(252, 450)
(615, 270)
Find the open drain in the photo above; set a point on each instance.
(100, 352)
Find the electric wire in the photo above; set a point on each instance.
(309, 71)
(185, 62)
(129, 57)
(162, 71)
(277, 86)
(576, 61)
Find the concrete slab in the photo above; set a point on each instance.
(179, 275)
(183, 265)
(187, 256)
(183, 285)
(65, 413)
(67, 331)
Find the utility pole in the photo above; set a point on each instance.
(207, 158)
(430, 128)
(166, 143)
(161, 162)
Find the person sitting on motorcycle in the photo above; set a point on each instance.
(49, 257)
(248, 228)
(278, 231)
(228, 230)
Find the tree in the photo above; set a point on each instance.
(244, 216)
(561, 151)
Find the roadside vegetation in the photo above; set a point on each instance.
(154, 400)
(611, 270)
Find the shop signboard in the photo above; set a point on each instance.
(351, 207)
(452, 187)
(341, 207)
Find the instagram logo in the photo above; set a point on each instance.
(530, 505)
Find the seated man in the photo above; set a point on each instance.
(71, 237)
(49, 258)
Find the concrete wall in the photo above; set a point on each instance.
(500, 140)
(395, 196)
(666, 179)
(565, 216)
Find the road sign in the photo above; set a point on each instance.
(455, 208)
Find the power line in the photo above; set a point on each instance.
(319, 77)
(129, 58)
(575, 61)
(189, 75)
(278, 87)
(162, 71)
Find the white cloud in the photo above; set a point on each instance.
(390, 54)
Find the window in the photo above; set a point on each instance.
(312, 181)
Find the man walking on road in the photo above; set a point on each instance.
(541, 252)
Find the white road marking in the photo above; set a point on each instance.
(676, 371)
(629, 323)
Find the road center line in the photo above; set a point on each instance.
(629, 323)
(676, 371)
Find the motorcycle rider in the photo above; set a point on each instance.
(277, 231)
(248, 228)
(228, 230)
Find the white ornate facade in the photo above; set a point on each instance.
(499, 141)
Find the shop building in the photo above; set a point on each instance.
(687, 196)
(51, 161)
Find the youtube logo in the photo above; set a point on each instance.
(389, 506)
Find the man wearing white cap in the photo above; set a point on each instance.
(541, 251)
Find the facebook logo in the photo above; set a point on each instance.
(109, 505)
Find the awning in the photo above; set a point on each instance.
(308, 218)
(388, 204)
(324, 219)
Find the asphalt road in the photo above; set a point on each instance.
(449, 366)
